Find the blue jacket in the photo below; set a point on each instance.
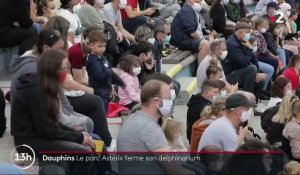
(184, 23)
(101, 76)
(239, 56)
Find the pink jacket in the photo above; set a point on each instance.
(132, 91)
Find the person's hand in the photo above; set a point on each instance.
(214, 32)
(16, 24)
(248, 44)
(260, 76)
(77, 128)
(119, 36)
(234, 88)
(243, 132)
(149, 11)
(87, 140)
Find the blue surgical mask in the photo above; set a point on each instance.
(247, 37)
(167, 40)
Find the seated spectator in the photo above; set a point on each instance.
(249, 164)
(292, 129)
(292, 17)
(293, 167)
(208, 115)
(267, 61)
(77, 54)
(217, 14)
(46, 8)
(101, 76)
(62, 25)
(213, 162)
(89, 16)
(196, 104)
(161, 36)
(144, 33)
(133, 18)
(261, 7)
(280, 88)
(184, 33)
(112, 15)
(144, 50)
(174, 132)
(271, 11)
(233, 10)
(16, 26)
(39, 115)
(141, 132)
(241, 66)
(2, 114)
(214, 73)
(292, 71)
(238, 111)
(38, 21)
(66, 11)
(167, 9)
(83, 103)
(280, 119)
(130, 67)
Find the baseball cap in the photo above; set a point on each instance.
(243, 25)
(273, 5)
(237, 100)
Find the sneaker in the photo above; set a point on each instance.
(112, 147)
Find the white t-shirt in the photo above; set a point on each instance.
(273, 101)
(220, 133)
(201, 71)
(111, 16)
(75, 25)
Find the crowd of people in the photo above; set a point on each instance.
(77, 59)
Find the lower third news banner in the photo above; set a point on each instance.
(160, 163)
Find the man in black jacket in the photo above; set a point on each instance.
(209, 90)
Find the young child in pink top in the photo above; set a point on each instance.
(130, 69)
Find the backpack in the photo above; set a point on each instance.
(266, 117)
(112, 42)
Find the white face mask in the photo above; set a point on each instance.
(151, 40)
(224, 54)
(223, 93)
(197, 7)
(288, 13)
(165, 110)
(245, 116)
(76, 8)
(136, 70)
(122, 4)
(263, 30)
(173, 94)
(254, 49)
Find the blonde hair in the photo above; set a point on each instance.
(284, 113)
(291, 168)
(172, 128)
(217, 106)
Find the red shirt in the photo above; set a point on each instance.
(292, 76)
(133, 4)
(75, 56)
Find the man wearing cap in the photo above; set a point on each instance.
(223, 131)
(240, 65)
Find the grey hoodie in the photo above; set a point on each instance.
(27, 63)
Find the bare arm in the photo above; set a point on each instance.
(79, 75)
(70, 84)
(125, 33)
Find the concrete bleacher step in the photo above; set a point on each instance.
(188, 86)
(176, 57)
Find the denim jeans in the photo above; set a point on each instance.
(282, 56)
(269, 70)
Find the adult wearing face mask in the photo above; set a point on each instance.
(209, 90)
(141, 132)
(112, 15)
(184, 33)
(272, 8)
(240, 65)
(89, 16)
(67, 12)
(223, 131)
(161, 35)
